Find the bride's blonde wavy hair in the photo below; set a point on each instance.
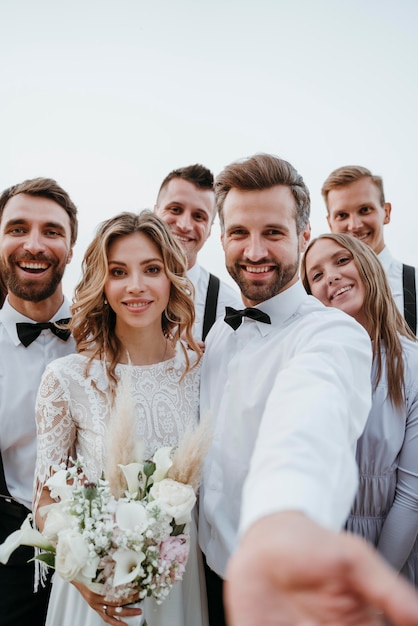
(93, 321)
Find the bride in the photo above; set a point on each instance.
(131, 308)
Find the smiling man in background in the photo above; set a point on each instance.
(186, 201)
(356, 205)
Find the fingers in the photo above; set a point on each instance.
(109, 612)
(114, 614)
(384, 587)
(342, 580)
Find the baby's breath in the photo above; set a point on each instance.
(157, 557)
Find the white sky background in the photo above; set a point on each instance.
(108, 96)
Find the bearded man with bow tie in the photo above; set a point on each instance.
(286, 382)
(38, 230)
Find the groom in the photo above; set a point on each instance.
(287, 406)
(38, 229)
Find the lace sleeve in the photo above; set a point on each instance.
(56, 430)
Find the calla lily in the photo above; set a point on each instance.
(56, 518)
(131, 473)
(163, 462)
(25, 536)
(59, 486)
(131, 516)
(128, 566)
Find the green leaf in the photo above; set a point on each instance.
(46, 557)
(177, 530)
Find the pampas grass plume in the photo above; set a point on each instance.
(121, 446)
(189, 456)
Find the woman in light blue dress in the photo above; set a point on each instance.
(344, 273)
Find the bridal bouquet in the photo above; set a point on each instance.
(123, 540)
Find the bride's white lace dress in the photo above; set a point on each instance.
(73, 412)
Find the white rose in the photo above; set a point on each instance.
(72, 555)
(174, 498)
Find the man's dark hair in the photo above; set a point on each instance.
(259, 172)
(197, 174)
(44, 188)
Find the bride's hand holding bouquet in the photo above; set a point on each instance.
(119, 540)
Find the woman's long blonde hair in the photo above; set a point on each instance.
(385, 323)
(93, 321)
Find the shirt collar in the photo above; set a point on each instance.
(9, 317)
(193, 273)
(281, 307)
(385, 257)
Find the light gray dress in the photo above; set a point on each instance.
(385, 510)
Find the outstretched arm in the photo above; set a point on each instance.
(289, 571)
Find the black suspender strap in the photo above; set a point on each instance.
(210, 305)
(409, 297)
(3, 487)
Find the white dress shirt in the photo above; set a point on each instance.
(288, 401)
(227, 297)
(20, 374)
(393, 269)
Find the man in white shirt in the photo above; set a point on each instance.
(38, 229)
(286, 383)
(356, 205)
(187, 203)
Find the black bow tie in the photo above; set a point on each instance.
(234, 317)
(28, 332)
